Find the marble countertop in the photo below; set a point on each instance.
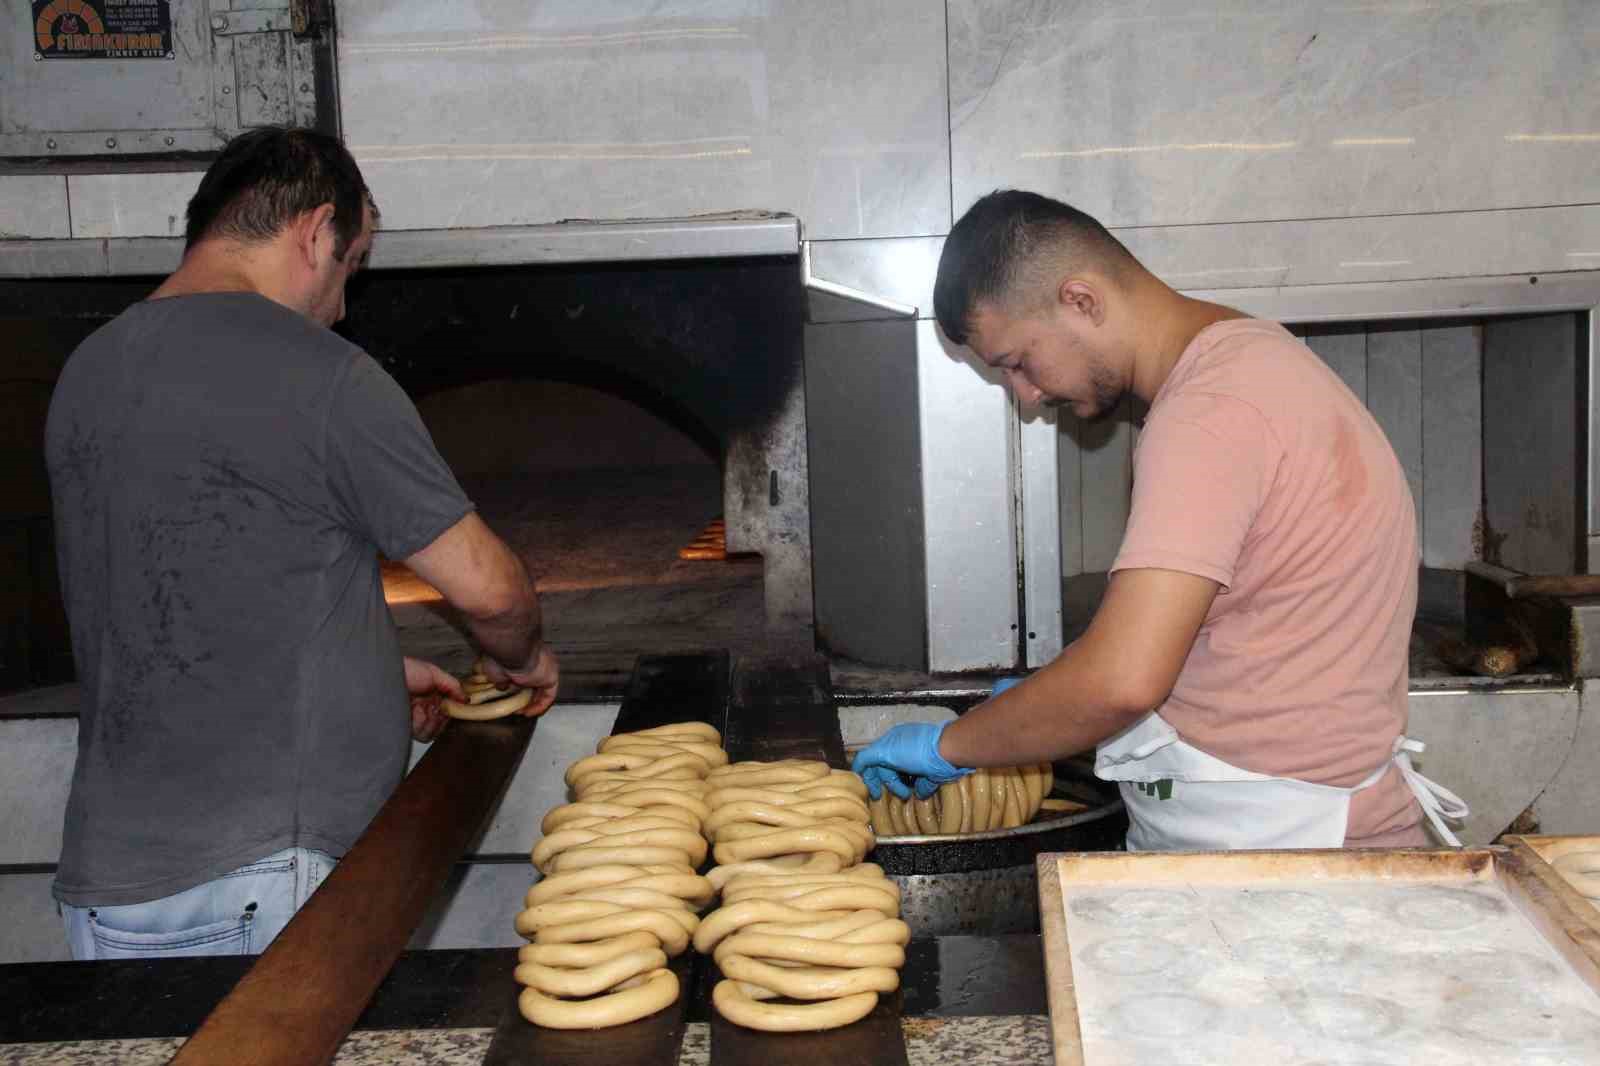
(994, 1040)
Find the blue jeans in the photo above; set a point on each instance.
(239, 913)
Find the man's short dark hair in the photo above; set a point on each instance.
(1000, 238)
(267, 177)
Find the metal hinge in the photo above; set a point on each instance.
(303, 18)
(254, 20)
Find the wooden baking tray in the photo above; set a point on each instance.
(1377, 956)
(1543, 851)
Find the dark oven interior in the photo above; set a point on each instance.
(600, 416)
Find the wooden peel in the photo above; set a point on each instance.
(1519, 586)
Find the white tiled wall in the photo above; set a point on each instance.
(1155, 113)
(33, 206)
(506, 114)
(130, 205)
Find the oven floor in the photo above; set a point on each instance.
(603, 547)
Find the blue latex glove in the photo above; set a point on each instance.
(1005, 683)
(912, 748)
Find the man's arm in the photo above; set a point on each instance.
(480, 576)
(1123, 666)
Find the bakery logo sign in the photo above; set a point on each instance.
(102, 29)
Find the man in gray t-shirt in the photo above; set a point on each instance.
(225, 472)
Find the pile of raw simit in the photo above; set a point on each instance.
(807, 936)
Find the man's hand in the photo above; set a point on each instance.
(427, 683)
(542, 675)
(912, 748)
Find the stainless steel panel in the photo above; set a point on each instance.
(1591, 335)
(1040, 478)
(583, 242)
(229, 70)
(81, 103)
(572, 242)
(1345, 352)
(865, 450)
(1496, 294)
(900, 270)
(1452, 444)
(264, 72)
(36, 760)
(1106, 455)
(1531, 453)
(1394, 396)
(567, 732)
(1570, 803)
(476, 906)
(968, 509)
(30, 928)
(1498, 750)
(1585, 630)
(1069, 504)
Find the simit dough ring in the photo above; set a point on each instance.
(490, 709)
(657, 989)
(986, 799)
(735, 1005)
(809, 982)
(485, 701)
(620, 894)
(800, 919)
(1582, 871)
(591, 980)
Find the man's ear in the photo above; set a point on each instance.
(1082, 297)
(315, 236)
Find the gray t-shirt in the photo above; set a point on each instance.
(225, 473)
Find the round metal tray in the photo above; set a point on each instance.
(1101, 827)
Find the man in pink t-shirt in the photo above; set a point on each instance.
(1244, 679)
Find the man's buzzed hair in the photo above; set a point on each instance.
(1011, 240)
(266, 177)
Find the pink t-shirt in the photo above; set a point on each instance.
(1259, 469)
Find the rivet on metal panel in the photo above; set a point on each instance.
(227, 90)
(305, 86)
(219, 22)
(111, 142)
(50, 144)
(171, 141)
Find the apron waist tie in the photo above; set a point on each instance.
(1438, 802)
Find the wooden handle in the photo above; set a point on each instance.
(1523, 586)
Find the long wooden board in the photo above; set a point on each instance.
(783, 708)
(1555, 912)
(663, 689)
(301, 998)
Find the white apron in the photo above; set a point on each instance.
(1181, 799)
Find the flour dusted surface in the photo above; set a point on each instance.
(1311, 973)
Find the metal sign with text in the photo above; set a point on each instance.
(102, 29)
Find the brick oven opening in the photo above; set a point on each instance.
(599, 415)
